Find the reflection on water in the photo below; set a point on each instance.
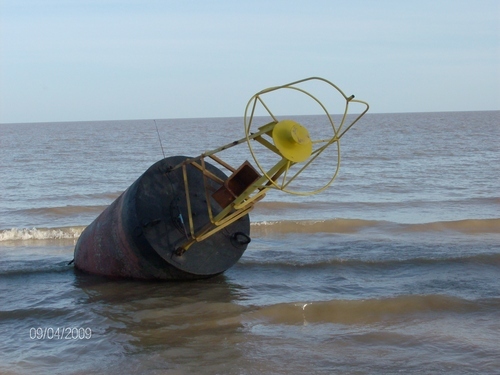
(166, 313)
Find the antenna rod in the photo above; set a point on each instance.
(159, 138)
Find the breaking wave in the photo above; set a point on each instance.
(25, 234)
(469, 226)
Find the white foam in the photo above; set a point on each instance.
(24, 234)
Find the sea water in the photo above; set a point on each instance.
(395, 268)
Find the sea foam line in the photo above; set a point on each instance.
(24, 234)
(467, 226)
(263, 228)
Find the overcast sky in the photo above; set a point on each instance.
(70, 60)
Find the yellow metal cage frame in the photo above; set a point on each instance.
(255, 191)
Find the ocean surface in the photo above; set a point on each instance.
(395, 268)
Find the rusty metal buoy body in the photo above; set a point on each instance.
(139, 234)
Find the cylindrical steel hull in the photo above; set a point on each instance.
(138, 234)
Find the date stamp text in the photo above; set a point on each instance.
(60, 333)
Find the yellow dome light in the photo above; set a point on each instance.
(292, 140)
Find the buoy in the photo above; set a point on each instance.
(184, 218)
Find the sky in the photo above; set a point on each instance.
(76, 60)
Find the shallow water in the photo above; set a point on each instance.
(394, 269)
